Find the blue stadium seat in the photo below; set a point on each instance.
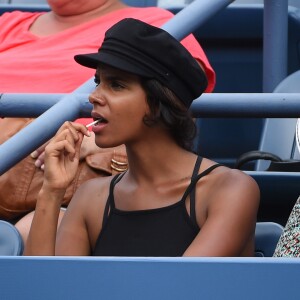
(278, 135)
(267, 235)
(278, 194)
(11, 243)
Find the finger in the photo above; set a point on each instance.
(60, 148)
(73, 134)
(38, 163)
(63, 143)
(40, 160)
(75, 138)
(62, 135)
(42, 156)
(77, 127)
(36, 153)
(80, 128)
(78, 146)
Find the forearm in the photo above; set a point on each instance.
(42, 235)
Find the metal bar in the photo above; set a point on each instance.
(42, 129)
(260, 105)
(275, 43)
(33, 105)
(192, 16)
(237, 105)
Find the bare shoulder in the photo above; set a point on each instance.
(233, 179)
(225, 185)
(92, 191)
(95, 185)
(227, 202)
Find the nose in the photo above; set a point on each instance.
(96, 97)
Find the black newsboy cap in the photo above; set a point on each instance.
(142, 49)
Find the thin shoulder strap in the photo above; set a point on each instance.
(193, 191)
(110, 199)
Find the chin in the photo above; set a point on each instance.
(107, 144)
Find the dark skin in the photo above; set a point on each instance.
(226, 200)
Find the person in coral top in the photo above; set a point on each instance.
(42, 45)
(33, 41)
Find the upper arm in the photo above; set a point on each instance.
(72, 236)
(82, 220)
(231, 218)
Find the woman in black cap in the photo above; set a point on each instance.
(169, 202)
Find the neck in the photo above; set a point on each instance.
(88, 15)
(159, 160)
(56, 21)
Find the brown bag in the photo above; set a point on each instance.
(20, 185)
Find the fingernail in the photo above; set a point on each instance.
(43, 167)
(34, 154)
(38, 163)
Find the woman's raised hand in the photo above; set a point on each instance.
(62, 155)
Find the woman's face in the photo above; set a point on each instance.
(76, 7)
(120, 103)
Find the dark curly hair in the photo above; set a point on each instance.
(167, 109)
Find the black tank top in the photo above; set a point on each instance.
(159, 232)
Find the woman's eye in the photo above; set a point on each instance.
(116, 85)
(97, 81)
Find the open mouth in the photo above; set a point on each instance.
(96, 122)
(99, 120)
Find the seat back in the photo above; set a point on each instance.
(267, 235)
(278, 136)
(11, 243)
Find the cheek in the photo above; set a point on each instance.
(136, 108)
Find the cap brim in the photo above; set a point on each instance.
(92, 60)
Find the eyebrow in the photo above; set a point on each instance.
(115, 76)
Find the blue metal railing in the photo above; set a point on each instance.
(275, 43)
(43, 128)
(193, 16)
(225, 105)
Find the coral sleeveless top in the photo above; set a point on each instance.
(159, 232)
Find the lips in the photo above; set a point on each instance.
(100, 122)
(99, 118)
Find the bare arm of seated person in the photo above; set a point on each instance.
(62, 158)
(226, 210)
(82, 222)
